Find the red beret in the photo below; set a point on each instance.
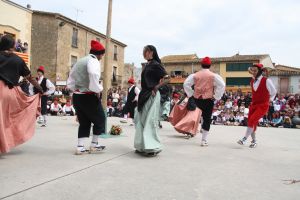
(259, 65)
(175, 95)
(96, 46)
(41, 68)
(131, 81)
(206, 61)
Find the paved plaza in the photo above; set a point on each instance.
(46, 167)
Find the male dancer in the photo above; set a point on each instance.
(263, 91)
(84, 81)
(132, 98)
(208, 87)
(48, 89)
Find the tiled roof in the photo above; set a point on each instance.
(194, 58)
(239, 58)
(282, 70)
(180, 58)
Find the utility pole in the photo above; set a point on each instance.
(106, 74)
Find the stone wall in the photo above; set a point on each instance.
(44, 44)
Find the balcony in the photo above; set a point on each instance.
(116, 80)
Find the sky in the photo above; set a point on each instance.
(213, 28)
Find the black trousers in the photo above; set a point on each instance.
(206, 105)
(129, 108)
(89, 110)
(44, 100)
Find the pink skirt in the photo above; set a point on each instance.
(185, 121)
(18, 114)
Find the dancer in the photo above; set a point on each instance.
(165, 103)
(18, 112)
(48, 89)
(263, 91)
(146, 141)
(185, 121)
(84, 81)
(132, 98)
(208, 87)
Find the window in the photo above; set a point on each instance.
(73, 60)
(238, 81)
(115, 52)
(75, 38)
(230, 67)
(115, 74)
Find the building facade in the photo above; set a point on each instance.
(15, 20)
(58, 42)
(233, 70)
(286, 79)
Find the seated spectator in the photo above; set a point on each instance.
(231, 120)
(277, 120)
(277, 106)
(287, 122)
(68, 109)
(228, 104)
(116, 98)
(56, 108)
(235, 107)
(240, 119)
(57, 92)
(242, 108)
(62, 100)
(110, 108)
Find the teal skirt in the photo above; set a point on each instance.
(146, 126)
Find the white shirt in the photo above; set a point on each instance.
(136, 91)
(57, 93)
(68, 109)
(94, 71)
(55, 108)
(277, 107)
(115, 97)
(219, 86)
(49, 85)
(270, 87)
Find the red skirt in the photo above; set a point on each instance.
(256, 112)
(185, 121)
(18, 114)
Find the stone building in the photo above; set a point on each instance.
(286, 79)
(128, 73)
(15, 20)
(58, 42)
(234, 69)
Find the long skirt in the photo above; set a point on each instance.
(255, 113)
(146, 126)
(18, 114)
(185, 121)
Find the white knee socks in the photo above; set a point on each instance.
(204, 135)
(249, 131)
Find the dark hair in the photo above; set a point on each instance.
(155, 54)
(96, 53)
(260, 72)
(205, 66)
(6, 42)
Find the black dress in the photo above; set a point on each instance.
(11, 68)
(151, 75)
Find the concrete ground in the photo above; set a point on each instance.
(46, 167)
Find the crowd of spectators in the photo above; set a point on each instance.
(233, 110)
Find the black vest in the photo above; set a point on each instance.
(131, 95)
(43, 85)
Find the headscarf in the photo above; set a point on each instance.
(155, 54)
